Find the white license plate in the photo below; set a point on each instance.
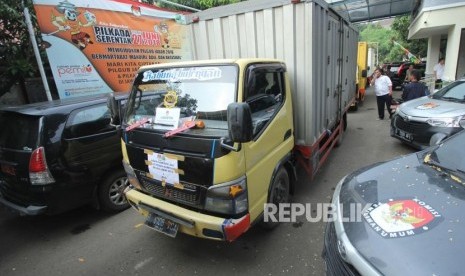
(405, 135)
(162, 225)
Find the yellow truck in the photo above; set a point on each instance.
(207, 143)
(362, 71)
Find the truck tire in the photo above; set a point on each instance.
(110, 192)
(355, 106)
(279, 193)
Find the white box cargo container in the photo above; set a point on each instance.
(318, 46)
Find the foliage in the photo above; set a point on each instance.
(377, 34)
(418, 47)
(17, 60)
(198, 4)
(388, 51)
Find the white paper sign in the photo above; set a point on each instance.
(163, 168)
(167, 118)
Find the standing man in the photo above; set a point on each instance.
(414, 89)
(383, 90)
(408, 73)
(439, 72)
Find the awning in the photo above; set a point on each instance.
(369, 10)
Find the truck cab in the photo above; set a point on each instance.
(207, 143)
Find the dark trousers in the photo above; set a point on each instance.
(382, 101)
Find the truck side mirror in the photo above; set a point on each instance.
(112, 105)
(364, 73)
(240, 122)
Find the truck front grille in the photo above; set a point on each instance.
(191, 196)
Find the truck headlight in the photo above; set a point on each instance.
(228, 198)
(445, 122)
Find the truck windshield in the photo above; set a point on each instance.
(167, 97)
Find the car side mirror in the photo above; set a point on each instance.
(112, 105)
(462, 123)
(437, 138)
(364, 73)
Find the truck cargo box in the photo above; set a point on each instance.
(318, 46)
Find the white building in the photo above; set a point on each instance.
(444, 20)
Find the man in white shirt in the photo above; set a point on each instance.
(439, 72)
(383, 90)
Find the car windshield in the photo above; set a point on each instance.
(450, 154)
(165, 98)
(453, 92)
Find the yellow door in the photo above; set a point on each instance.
(271, 108)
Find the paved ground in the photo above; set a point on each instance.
(88, 242)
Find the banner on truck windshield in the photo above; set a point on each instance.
(97, 46)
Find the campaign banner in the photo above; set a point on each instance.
(97, 46)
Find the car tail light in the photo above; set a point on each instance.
(38, 169)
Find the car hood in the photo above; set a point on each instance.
(427, 107)
(413, 220)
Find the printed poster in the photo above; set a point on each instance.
(98, 46)
(163, 169)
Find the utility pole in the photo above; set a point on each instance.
(32, 36)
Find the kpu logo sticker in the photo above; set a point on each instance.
(402, 217)
(427, 106)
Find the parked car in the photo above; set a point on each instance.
(398, 77)
(59, 155)
(411, 220)
(416, 121)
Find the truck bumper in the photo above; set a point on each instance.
(190, 222)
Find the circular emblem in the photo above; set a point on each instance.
(397, 218)
(427, 106)
(170, 100)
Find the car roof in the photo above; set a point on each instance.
(59, 106)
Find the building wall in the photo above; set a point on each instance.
(446, 19)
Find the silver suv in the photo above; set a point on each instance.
(436, 116)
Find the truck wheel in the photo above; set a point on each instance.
(279, 193)
(355, 106)
(110, 193)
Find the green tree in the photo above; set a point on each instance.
(418, 47)
(198, 4)
(17, 60)
(388, 51)
(374, 32)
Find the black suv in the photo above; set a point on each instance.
(59, 155)
(398, 77)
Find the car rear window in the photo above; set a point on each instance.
(20, 132)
